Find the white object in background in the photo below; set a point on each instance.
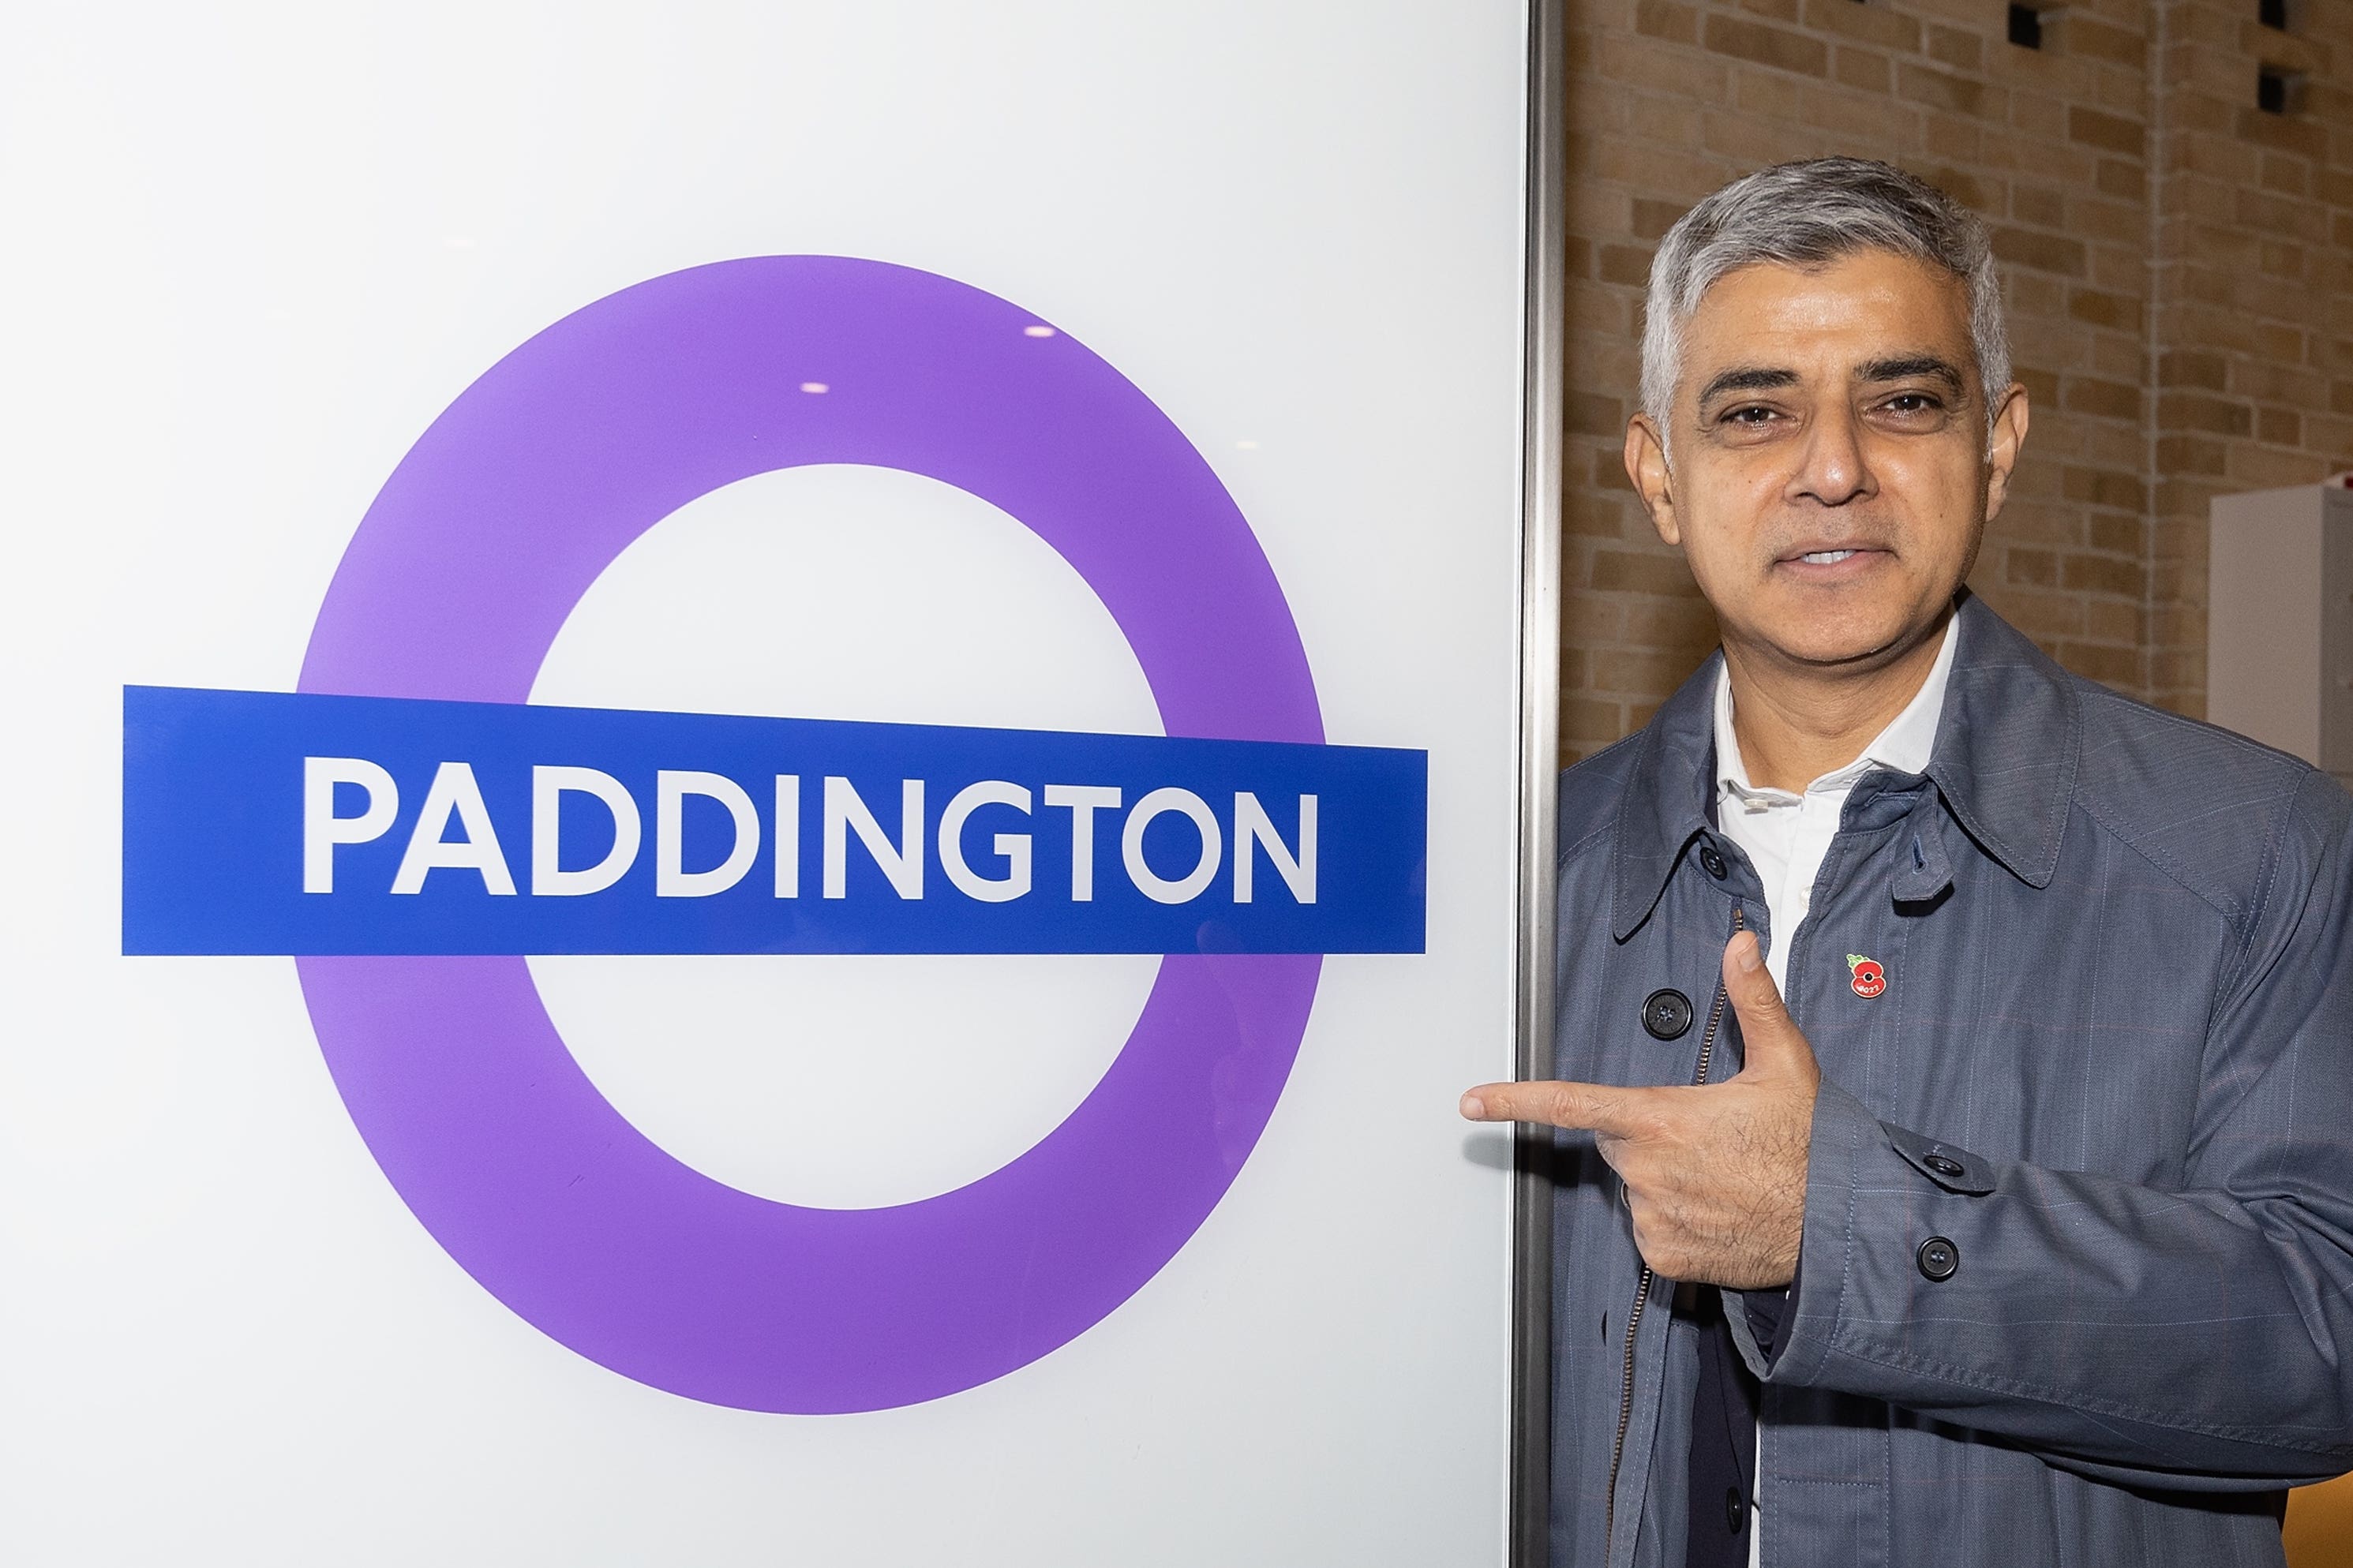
(2279, 621)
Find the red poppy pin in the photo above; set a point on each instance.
(1870, 980)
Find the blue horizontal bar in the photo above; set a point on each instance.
(222, 837)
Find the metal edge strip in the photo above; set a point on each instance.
(1545, 372)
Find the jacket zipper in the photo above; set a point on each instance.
(1643, 1287)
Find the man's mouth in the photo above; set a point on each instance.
(1824, 557)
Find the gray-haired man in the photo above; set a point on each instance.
(2032, 1209)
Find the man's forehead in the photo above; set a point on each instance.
(1871, 315)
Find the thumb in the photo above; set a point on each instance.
(1770, 1038)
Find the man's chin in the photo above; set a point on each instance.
(1847, 648)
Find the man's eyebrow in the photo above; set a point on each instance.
(1746, 378)
(1903, 367)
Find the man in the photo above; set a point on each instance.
(2010, 1219)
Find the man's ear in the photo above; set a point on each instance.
(2001, 450)
(1646, 465)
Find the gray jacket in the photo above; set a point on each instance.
(2111, 1068)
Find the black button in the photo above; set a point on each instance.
(1734, 1509)
(1942, 1166)
(1939, 1258)
(1712, 862)
(1666, 1015)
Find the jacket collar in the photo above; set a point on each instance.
(2007, 750)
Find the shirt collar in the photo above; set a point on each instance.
(1903, 747)
(2005, 759)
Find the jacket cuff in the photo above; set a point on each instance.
(1843, 1130)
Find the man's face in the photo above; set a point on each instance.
(1830, 474)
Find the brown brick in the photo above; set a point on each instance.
(2279, 427)
(2115, 622)
(2270, 382)
(1625, 264)
(2078, 33)
(2202, 411)
(1592, 413)
(2264, 468)
(1652, 218)
(1942, 90)
(2105, 486)
(1964, 187)
(2294, 133)
(2033, 297)
(1591, 719)
(2101, 575)
(2125, 181)
(2111, 530)
(2038, 567)
(1881, 25)
(2044, 252)
(1952, 46)
(1675, 23)
(1685, 625)
(2044, 617)
(2191, 367)
(1651, 674)
(2281, 260)
(2110, 132)
(1572, 668)
(1623, 571)
(1861, 69)
(2288, 176)
(2284, 215)
(2107, 399)
(1591, 513)
(1775, 46)
(2103, 309)
(2038, 205)
(1599, 619)
(1774, 95)
(2118, 667)
(2191, 454)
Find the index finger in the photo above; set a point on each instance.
(1587, 1107)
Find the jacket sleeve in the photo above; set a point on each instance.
(2199, 1339)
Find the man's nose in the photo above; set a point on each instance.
(1832, 469)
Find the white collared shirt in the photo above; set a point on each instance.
(1786, 835)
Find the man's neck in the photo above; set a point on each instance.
(1796, 724)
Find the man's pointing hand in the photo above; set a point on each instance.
(1715, 1174)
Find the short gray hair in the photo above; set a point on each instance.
(1808, 215)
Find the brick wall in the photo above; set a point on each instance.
(2254, 269)
(2179, 265)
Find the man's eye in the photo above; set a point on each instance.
(1752, 415)
(1912, 402)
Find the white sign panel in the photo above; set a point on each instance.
(766, 783)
